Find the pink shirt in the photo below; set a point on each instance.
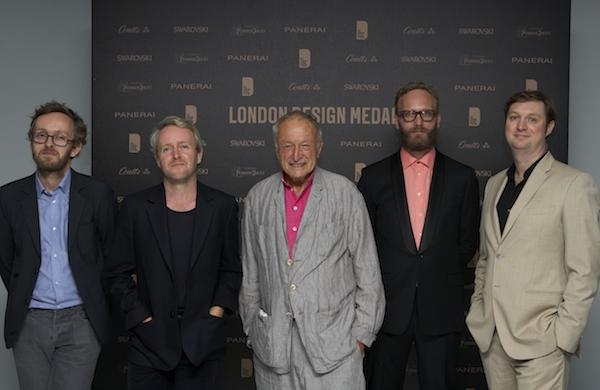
(294, 208)
(417, 181)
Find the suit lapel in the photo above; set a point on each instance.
(202, 222)
(538, 177)
(399, 190)
(157, 214)
(497, 192)
(76, 205)
(30, 211)
(436, 194)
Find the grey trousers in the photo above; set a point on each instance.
(56, 350)
(348, 376)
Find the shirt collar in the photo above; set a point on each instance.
(309, 183)
(408, 159)
(63, 186)
(511, 171)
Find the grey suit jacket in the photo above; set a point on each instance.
(535, 281)
(332, 289)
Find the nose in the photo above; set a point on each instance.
(296, 153)
(419, 120)
(49, 141)
(522, 124)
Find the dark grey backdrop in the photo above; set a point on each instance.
(234, 66)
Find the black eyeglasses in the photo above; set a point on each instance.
(410, 115)
(59, 139)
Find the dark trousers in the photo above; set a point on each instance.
(185, 376)
(56, 350)
(385, 364)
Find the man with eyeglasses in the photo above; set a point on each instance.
(424, 207)
(539, 260)
(55, 228)
(175, 269)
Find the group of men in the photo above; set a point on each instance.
(328, 275)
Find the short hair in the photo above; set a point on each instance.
(299, 115)
(411, 86)
(178, 122)
(532, 96)
(79, 127)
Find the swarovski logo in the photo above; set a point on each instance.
(247, 143)
(361, 87)
(134, 57)
(418, 59)
(190, 29)
(485, 31)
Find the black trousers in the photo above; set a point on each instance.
(385, 364)
(185, 376)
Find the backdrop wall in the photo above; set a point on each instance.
(32, 71)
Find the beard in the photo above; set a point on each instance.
(51, 163)
(425, 141)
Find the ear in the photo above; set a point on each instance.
(200, 155)
(550, 128)
(75, 150)
(319, 148)
(438, 120)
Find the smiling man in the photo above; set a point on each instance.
(311, 296)
(175, 268)
(55, 228)
(539, 259)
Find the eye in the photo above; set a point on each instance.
(532, 119)
(513, 117)
(165, 149)
(61, 138)
(184, 146)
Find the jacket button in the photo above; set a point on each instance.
(172, 314)
(15, 275)
(292, 286)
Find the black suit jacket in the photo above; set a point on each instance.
(90, 229)
(449, 241)
(142, 248)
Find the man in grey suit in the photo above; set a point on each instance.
(312, 296)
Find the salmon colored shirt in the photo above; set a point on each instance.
(417, 181)
(294, 208)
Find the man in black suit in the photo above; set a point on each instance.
(175, 268)
(424, 207)
(55, 227)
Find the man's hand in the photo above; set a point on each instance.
(216, 311)
(361, 347)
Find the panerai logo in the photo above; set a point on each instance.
(247, 58)
(531, 60)
(474, 88)
(305, 29)
(190, 86)
(134, 115)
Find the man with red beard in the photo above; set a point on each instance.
(424, 208)
(55, 226)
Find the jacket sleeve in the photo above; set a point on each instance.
(469, 220)
(230, 270)
(580, 218)
(369, 296)
(249, 292)
(6, 244)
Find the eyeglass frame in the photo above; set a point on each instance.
(53, 136)
(420, 113)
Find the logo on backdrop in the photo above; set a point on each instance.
(125, 29)
(476, 31)
(468, 60)
(361, 144)
(193, 86)
(362, 30)
(247, 86)
(241, 172)
(473, 145)
(247, 58)
(238, 31)
(191, 113)
(190, 58)
(475, 88)
(532, 32)
(135, 143)
(531, 85)
(303, 87)
(247, 369)
(474, 117)
(304, 58)
(305, 29)
(134, 86)
(247, 143)
(532, 60)
(134, 114)
(190, 29)
(418, 30)
(362, 87)
(418, 59)
(134, 58)
(133, 171)
(360, 59)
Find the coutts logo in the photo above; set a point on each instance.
(361, 87)
(531, 60)
(247, 58)
(125, 29)
(474, 88)
(190, 29)
(238, 31)
(418, 59)
(410, 30)
(134, 57)
(135, 86)
(305, 29)
(247, 143)
(190, 86)
(127, 171)
(474, 145)
(134, 115)
(191, 58)
(304, 87)
(479, 31)
(362, 59)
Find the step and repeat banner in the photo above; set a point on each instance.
(234, 67)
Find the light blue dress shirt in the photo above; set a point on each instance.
(55, 287)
